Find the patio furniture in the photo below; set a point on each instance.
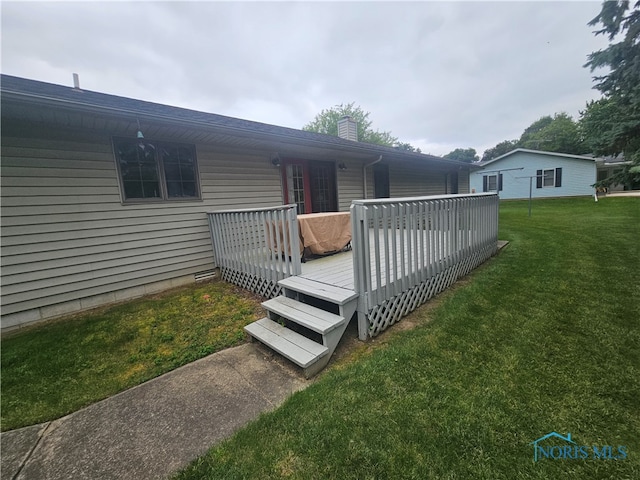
(324, 233)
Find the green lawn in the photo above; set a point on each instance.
(56, 368)
(545, 337)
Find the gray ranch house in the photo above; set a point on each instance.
(106, 198)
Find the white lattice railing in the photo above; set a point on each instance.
(255, 248)
(406, 250)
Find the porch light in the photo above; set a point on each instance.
(275, 160)
(342, 166)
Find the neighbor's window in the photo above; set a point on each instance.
(492, 183)
(156, 170)
(549, 178)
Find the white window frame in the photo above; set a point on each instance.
(494, 179)
(545, 178)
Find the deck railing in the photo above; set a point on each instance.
(255, 248)
(405, 250)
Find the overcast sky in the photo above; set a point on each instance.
(439, 75)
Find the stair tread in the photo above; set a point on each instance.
(317, 289)
(309, 316)
(297, 348)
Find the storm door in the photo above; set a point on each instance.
(310, 185)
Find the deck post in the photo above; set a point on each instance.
(358, 231)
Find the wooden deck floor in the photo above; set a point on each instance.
(337, 269)
(334, 269)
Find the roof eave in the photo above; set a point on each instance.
(356, 147)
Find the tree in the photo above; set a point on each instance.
(499, 149)
(559, 133)
(407, 147)
(533, 130)
(614, 122)
(468, 155)
(327, 122)
(596, 126)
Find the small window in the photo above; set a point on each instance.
(156, 170)
(549, 178)
(492, 183)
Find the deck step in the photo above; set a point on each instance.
(297, 348)
(324, 291)
(306, 315)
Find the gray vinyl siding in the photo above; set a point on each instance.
(411, 181)
(406, 180)
(349, 185)
(371, 191)
(463, 181)
(67, 236)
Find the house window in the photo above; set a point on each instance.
(549, 178)
(492, 183)
(157, 171)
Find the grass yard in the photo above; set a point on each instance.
(51, 370)
(545, 337)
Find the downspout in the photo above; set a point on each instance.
(364, 174)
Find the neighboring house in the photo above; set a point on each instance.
(104, 198)
(551, 175)
(609, 166)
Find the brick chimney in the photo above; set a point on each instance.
(348, 128)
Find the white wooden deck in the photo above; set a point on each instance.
(405, 251)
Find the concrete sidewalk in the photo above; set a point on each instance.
(627, 193)
(157, 428)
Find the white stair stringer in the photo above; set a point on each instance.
(305, 352)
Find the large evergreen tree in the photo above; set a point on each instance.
(613, 123)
